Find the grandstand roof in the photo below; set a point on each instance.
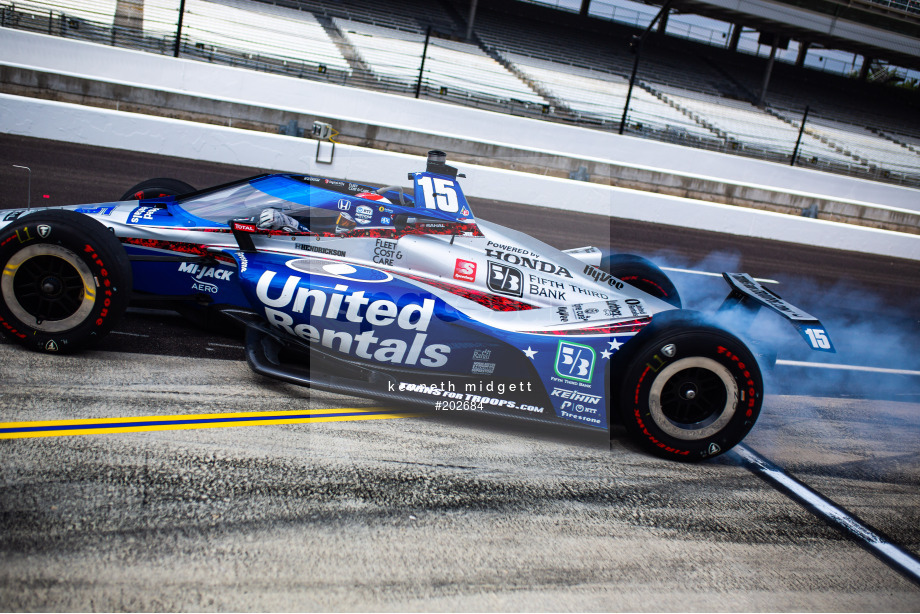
(873, 29)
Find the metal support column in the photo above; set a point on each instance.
(766, 76)
(735, 37)
(803, 51)
(864, 69)
(798, 141)
(471, 19)
(635, 45)
(421, 69)
(179, 29)
(663, 24)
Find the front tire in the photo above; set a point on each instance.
(66, 281)
(690, 392)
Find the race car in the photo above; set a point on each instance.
(407, 298)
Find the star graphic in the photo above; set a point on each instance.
(530, 353)
(614, 345)
(606, 354)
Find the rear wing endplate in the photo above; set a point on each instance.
(751, 296)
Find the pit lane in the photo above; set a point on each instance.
(446, 511)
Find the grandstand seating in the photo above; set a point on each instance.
(715, 88)
(596, 96)
(257, 28)
(405, 15)
(525, 61)
(450, 66)
(875, 150)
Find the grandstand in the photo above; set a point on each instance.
(597, 97)
(528, 60)
(450, 66)
(295, 36)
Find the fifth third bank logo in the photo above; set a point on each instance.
(575, 361)
(505, 280)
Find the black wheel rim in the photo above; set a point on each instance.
(48, 288)
(693, 396)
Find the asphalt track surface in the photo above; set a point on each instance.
(161, 502)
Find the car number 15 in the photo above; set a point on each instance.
(818, 338)
(440, 194)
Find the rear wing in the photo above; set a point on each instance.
(751, 296)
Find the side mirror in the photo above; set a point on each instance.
(399, 221)
(242, 232)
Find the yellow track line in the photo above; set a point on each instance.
(137, 424)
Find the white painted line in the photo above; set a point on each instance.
(710, 274)
(118, 332)
(906, 562)
(226, 345)
(821, 365)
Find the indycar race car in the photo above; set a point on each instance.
(408, 298)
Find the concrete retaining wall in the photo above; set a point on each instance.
(171, 137)
(481, 131)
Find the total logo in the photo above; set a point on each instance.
(575, 361)
(320, 304)
(199, 272)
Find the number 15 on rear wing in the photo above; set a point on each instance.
(751, 296)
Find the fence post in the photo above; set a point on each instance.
(795, 152)
(418, 86)
(636, 47)
(179, 29)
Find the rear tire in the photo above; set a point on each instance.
(642, 274)
(689, 391)
(66, 281)
(157, 188)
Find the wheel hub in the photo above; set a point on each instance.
(693, 398)
(48, 287)
(51, 287)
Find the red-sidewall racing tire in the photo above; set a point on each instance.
(642, 274)
(156, 188)
(689, 391)
(66, 281)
